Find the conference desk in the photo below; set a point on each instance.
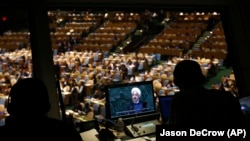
(66, 97)
(93, 134)
(95, 101)
(90, 128)
(79, 117)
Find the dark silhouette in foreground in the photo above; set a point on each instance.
(28, 105)
(196, 106)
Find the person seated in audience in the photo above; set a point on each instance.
(88, 110)
(112, 66)
(129, 62)
(171, 84)
(84, 108)
(82, 91)
(3, 114)
(194, 105)
(233, 88)
(79, 106)
(212, 70)
(28, 105)
(74, 95)
(124, 71)
(224, 82)
(99, 92)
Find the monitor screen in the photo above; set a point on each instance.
(129, 100)
(165, 107)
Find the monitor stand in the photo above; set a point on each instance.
(142, 128)
(142, 125)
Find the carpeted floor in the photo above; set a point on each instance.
(217, 78)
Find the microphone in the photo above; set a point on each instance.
(134, 128)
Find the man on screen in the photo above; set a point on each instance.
(136, 104)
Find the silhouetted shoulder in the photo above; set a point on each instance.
(42, 129)
(207, 107)
(224, 97)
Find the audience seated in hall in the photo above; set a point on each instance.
(78, 63)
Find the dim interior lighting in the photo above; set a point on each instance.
(154, 14)
(59, 20)
(215, 13)
(106, 15)
(4, 18)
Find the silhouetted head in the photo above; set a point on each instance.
(28, 97)
(188, 73)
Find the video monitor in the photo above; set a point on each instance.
(121, 103)
(165, 107)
